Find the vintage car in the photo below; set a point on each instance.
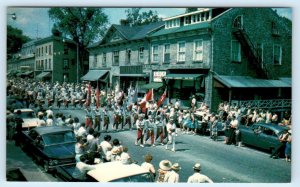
(29, 117)
(109, 172)
(51, 146)
(262, 135)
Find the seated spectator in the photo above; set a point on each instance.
(82, 168)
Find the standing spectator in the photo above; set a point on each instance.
(148, 166)
(164, 168)
(288, 146)
(171, 129)
(197, 177)
(173, 176)
(90, 137)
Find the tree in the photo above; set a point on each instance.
(83, 25)
(15, 40)
(134, 17)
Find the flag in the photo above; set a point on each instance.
(162, 98)
(88, 97)
(97, 97)
(147, 97)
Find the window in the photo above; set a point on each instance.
(187, 20)
(42, 64)
(116, 58)
(198, 50)
(66, 63)
(104, 60)
(155, 53)
(235, 51)
(277, 52)
(141, 54)
(181, 52)
(46, 64)
(128, 56)
(238, 22)
(49, 61)
(167, 56)
(50, 52)
(66, 49)
(46, 50)
(42, 51)
(260, 52)
(95, 60)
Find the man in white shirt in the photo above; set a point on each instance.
(105, 146)
(197, 177)
(171, 129)
(82, 168)
(173, 176)
(81, 131)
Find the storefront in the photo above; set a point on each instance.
(97, 77)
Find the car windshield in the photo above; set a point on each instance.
(146, 177)
(58, 138)
(26, 115)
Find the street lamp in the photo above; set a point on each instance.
(13, 16)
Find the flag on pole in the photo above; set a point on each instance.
(97, 97)
(88, 97)
(162, 98)
(147, 97)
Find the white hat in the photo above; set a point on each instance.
(197, 166)
(176, 167)
(165, 165)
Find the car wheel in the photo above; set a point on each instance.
(46, 166)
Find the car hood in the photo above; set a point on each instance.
(60, 151)
(30, 122)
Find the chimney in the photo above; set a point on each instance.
(124, 22)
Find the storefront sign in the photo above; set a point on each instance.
(158, 75)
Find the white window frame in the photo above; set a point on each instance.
(280, 54)
(164, 49)
(153, 60)
(201, 50)
(143, 53)
(104, 59)
(114, 57)
(240, 52)
(128, 60)
(181, 51)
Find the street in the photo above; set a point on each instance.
(222, 163)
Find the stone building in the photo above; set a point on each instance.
(239, 55)
(56, 59)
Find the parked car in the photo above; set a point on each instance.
(51, 146)
(29, 117)
(109, 172)
(262, 135)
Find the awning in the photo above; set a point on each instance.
(27, 73)
(154, 85)
(182, 76)
(133, 75)
(249, 82)
(94, 75)
(42, 75)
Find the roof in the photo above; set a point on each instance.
(110, 171)
(190, 27)
(51, 129)
(182, 76)
(94, 75)
(249, 82)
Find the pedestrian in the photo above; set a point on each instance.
(197, 177)
(140, 130)
(164, 168)
(173, 176)
(171, 129)
(148, 166)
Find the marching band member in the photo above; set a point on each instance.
(160, 132)
(150, 127)
(97, 115)
(106, 120)
(127, 114)
(88, 118)
(140, 130)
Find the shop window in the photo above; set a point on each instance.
(235, 51)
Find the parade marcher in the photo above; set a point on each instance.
(106, 120)
(150, 127)
(171, 129)
(197, 177)
(148, 166)
(97, 118)
(127, 116)
(164, 168)
(88, 118)
(117, 117)
(160, 132)
(140, 130)
(173, 176)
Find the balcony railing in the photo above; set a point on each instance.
(265, 104)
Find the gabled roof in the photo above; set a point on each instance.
(182, 29)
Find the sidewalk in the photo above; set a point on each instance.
(16, 158)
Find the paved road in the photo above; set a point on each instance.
(222, 163)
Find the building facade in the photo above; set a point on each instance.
(216, 54)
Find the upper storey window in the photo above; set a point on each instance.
(238, 22)
(172, 23)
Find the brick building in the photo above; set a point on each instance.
(217, 54)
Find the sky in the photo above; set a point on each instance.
(35, 22)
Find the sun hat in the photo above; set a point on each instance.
(197, 166)
(165, 165)
(176, 167)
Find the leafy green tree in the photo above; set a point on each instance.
(83, 25)
(134, 17)
(15, 40)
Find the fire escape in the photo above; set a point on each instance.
(250, 50)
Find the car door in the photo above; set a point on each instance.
(249, 134)
(267, 139)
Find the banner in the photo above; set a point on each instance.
(162, 98)
(97, 97)
(88, 97)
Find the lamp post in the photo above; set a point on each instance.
(13, 16)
